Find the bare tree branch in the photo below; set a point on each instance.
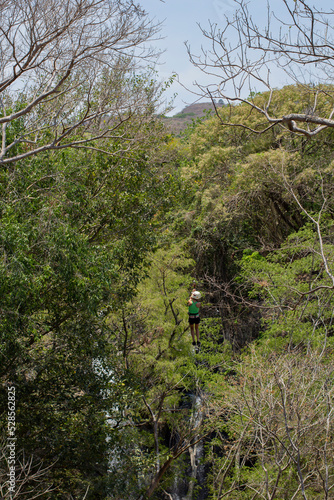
(67, 72)
(299, 42)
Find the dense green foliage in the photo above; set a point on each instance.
(98, 254)
(75, 230)
(260, 228)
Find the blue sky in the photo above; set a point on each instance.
(180, 20)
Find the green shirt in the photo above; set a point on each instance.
(193, 309)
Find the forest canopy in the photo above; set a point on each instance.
(107, 223)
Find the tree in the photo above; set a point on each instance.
(168, 418)
(75, 230)
(27, 471)
(298, 40)
(278, 437)
(248, 193)
(285, 381)
(67, 72)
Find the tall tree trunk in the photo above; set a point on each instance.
(157, 478)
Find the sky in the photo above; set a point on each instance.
(180, 19)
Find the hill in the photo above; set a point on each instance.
(181, 120)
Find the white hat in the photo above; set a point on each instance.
(196, 295)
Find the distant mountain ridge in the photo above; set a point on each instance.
(178, 122)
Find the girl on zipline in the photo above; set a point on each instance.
(194, 319)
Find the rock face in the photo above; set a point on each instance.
(191, 484)
(180, 121)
